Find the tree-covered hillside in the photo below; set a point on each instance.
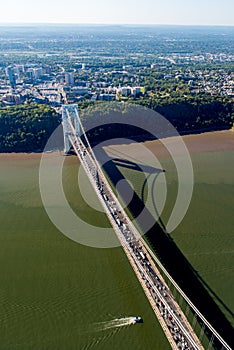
(192, 113)
(26, 128)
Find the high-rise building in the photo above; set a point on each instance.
(19, 70)
(30, 73)
(69, 78)
(38, 72)
(11, 76)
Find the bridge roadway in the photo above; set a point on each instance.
(174, 323)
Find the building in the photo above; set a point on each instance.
(79, 90)
(11, 99)
(19, 70)
(30, 73)
(126, 91)
(136, 91)
(69, 78)
(38, 72)
(11, 76)
(107, 97)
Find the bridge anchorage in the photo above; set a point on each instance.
(184, 326)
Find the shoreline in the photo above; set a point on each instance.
(205, 142)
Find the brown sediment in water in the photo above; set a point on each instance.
(19, 156)
(205, 142)
(23, 156)
(196, 143)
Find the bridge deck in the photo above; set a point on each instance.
(174, 323)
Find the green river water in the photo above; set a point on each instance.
(57, 294)
(60, 295)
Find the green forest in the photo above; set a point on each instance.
(26, 128)
(187, 115)
(194, 113)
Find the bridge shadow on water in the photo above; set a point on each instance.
(150, 172)
(166, 249)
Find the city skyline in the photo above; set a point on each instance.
(153, 12)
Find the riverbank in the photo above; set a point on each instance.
(202, 142)
(196, 143)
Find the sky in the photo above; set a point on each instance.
(193, 12)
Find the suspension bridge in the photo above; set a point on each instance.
(185, 327)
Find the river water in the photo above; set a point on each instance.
(58, 294)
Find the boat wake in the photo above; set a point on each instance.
(112, 327)
(116, 323)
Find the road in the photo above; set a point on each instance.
(174, 323)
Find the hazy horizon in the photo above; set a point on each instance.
(111, 24)
(107, 12)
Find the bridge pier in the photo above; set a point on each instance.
(70, 115)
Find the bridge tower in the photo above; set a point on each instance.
(70, 117)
